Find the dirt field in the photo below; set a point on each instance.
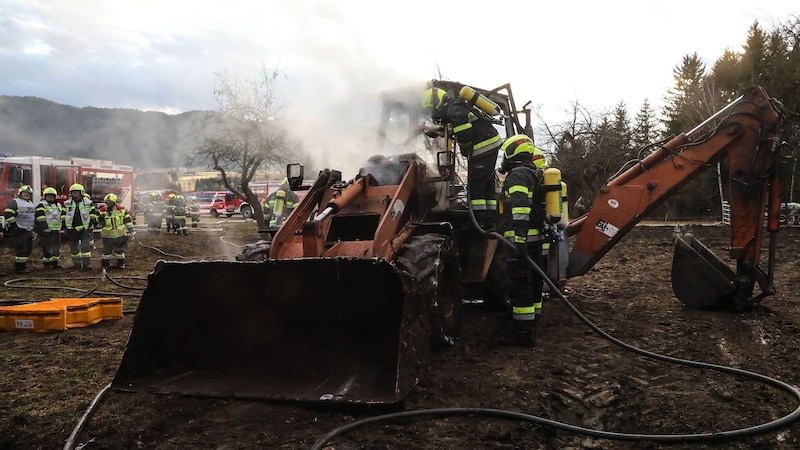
(574, 375)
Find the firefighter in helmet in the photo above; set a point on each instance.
(49, 225)
(478, 141)
(169, 212)
(179, 224)
(523, 214)
(79, 221)
(20, 216)
(154, 213)
(193, 208)
(117, 226)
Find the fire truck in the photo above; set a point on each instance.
(98, 177)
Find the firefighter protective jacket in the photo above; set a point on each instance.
(522, 211)
(21, 213)
(86, 215)
(115, 222)
(475, 135)
(50, 216)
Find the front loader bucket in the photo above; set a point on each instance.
(699, 278)
(311, 329)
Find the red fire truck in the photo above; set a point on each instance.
(98, 177)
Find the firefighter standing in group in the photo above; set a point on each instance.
(169, 212)
(79, 221)
(20, 216)
(523, 214)
(179, 224)
(193, 208)
(154, 213)
(117, 226)
(478, 140)
(50, 217)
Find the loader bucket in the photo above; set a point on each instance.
(699, 278)
(310, 329)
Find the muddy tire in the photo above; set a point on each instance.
(214, 213)
(432, 261)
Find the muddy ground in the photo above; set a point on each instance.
(573, 376)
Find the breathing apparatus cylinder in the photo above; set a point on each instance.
(280, 203)
(479, 100)
(564, 205)
(552, 196)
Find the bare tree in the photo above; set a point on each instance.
(245, 137)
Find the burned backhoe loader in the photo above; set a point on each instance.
(745, 133)
(357, 289)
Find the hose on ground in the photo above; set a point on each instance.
(85, 417)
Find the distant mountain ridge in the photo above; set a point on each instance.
(143, 139)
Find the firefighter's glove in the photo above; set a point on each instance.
(434, 132)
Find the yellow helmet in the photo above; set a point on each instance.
(538, 158)
(154, 195)
(172, 196)
(24, 188)
(517, 145)
(76, 187)
(110, 198)
(194, 198)
(280, 193)
(433, 97)
(50, 190)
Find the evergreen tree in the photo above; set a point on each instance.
(644, 126)
(684, 99)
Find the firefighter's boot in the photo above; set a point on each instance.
(21, 267)
(105, 264)
(86, 263)
(120, 264)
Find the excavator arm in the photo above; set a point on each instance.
(746, 134)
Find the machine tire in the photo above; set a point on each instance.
(432, 260)
(214, 213)
(246, 211)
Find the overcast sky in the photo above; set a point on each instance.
(163, 54)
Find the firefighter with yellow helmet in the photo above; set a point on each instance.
(523, 214)
(50, 217)
(20, 217)
(193, 209)
(169, 212)
(154, 213)
(79, 220)
(179, 218)
(117, 226)
(478, 141)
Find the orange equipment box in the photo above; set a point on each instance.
(59, 314)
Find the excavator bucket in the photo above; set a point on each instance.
(308, 329)
(699, 278)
